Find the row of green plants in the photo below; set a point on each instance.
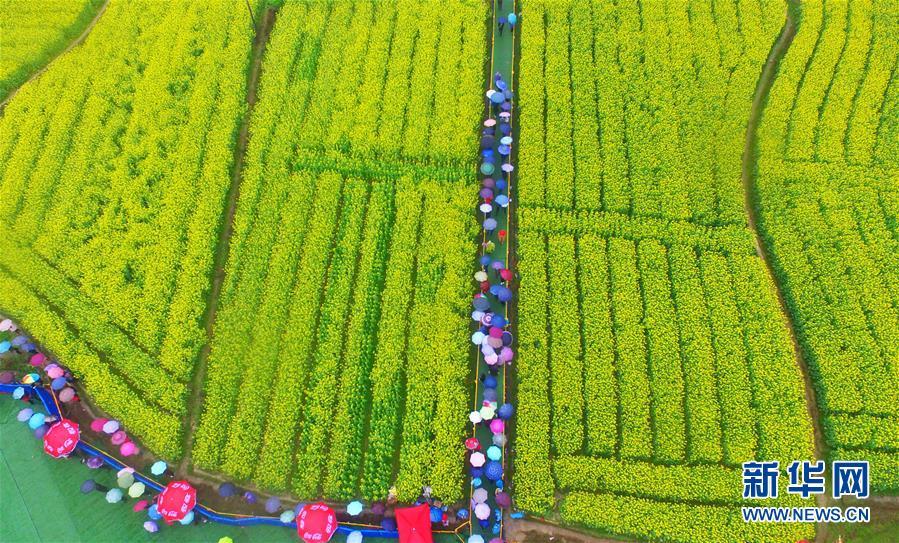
(731, 239)
(685, 359)
(115, 167)
(139, 369)
(640, 109)
(707, 484)
(157, 429)
(34, 32)
(388, 81)
(674, 521)
(341, 309)
(829, 221)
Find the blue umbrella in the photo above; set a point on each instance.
(512, 18)
(501, 85)
(4, 346)
(36, 420)
(226, 490)
(18, 341)
(25, 414)
(187, 519)
(490, 394)
(497, 97)
(29, 347)
(485, 260)
(354, 508)
(153, 512)
(504, 294)
(501, 184)
(505, 411)
(88, 486)
(498, 321)
(490, 224)
(490, 381)
(481, 304)
(436, 514)
(504, 150)
(159, 467)
(502, 200)
(58, 384)
(18, 393)
(493, 470)
(272, 505)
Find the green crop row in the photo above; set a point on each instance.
(158, 430)
(640, 109)
(826, 198)
(33, 32)
(683, 358)
(714, 485)
(113, 170)
(671, 521)
(726, 239)
(387, 81)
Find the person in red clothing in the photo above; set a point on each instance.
(502, 236)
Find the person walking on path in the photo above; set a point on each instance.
(512, 19)
(502, 24)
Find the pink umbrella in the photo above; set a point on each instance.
(490, 122)
(119, 437)
(129, 449)
(141, 505)
(479, 495)
(66, 395)
(477, 459)
(37, 359)
(497, 426)
(482, 511)
(97, 424)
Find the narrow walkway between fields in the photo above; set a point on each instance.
(751, 202)
(493, 340)
(263, 30)
(76, 42)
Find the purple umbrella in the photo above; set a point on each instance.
(272, 505)
(226, 490)
(496, 265)
(488, 183)
(503, 499)
(481, 304)
(486, 193)
(506, 106)
(505, 129)
(504, 294)
(249, 496)
(378, 508)
(504, 150)
(6, 377)
(94, 462)
(490, 225)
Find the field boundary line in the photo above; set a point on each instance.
(260, 41)
(74, 43)
(751, 204)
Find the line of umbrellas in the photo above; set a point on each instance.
(491, 337)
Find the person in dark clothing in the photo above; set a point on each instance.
(502, 24)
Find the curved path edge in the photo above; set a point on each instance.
(751, 203)
(75, 43)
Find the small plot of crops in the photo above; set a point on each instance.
(114, 165)
(654, 359)
(829, 203)
(32, 32)
(340, 355)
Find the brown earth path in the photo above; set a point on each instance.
(263, 30)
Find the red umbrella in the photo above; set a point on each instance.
(414, 524)
(61, 439)
(176, 500)
(316, 523)
(472, 444)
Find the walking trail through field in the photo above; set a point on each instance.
(221, 250)
(502, 61)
